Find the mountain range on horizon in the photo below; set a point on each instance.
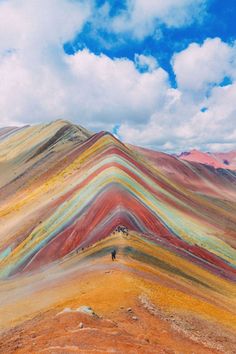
(226, 159)
(66, 194)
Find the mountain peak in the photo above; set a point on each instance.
(68, 199)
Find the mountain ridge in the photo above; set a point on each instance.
(111, 165)
(64, 200)
(225, 160)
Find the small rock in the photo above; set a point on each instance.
(87, 310)
(81, 325)
(135, 318)
(129, 309)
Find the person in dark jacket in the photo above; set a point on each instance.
(113, 255)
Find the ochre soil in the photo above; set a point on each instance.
(139, 307)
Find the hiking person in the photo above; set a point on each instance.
(113, 255)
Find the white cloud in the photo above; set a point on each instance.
(182, 124)
(39, 82)
(145, 62)
(141, 16)
(89, 89)
(114, 90)
(32, 67)
(34, 24)
(199, 66)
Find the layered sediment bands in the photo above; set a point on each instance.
(63, 192)
(198, 177)
(76, 188)
(150, 300)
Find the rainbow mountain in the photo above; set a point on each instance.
(63, 193)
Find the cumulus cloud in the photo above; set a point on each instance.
(145, 62)
(200, 66)
(141, 16)
(90, 89)
(34, 24)
(40, 82)
(114, 90)
(200, 113)
(32, 67)
(181, 125)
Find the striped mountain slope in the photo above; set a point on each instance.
(64, 189)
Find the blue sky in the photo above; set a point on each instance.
(218, 21)
(157, 74)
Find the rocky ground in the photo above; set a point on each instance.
(89, 304)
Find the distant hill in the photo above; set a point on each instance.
(218, 160)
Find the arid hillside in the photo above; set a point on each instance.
(68, 198)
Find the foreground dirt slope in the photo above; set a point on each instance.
(147, 301)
